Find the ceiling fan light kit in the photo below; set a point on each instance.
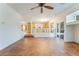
(42, 5)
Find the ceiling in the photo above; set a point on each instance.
(24, 10)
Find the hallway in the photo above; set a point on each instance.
(41, 47)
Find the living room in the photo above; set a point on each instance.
(52, 29)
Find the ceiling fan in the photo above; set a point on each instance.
(41, 5)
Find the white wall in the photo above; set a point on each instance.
(44, 35)
(0, 30)
(10, 26)
(69, 34)
(76, 33)
(72, 33)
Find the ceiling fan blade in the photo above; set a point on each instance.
(34, 7)
(41, 9)
(48, 7)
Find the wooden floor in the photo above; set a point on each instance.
(41, 47)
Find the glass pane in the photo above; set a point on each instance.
(77, 17)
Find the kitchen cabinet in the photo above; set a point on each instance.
(72, 18)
